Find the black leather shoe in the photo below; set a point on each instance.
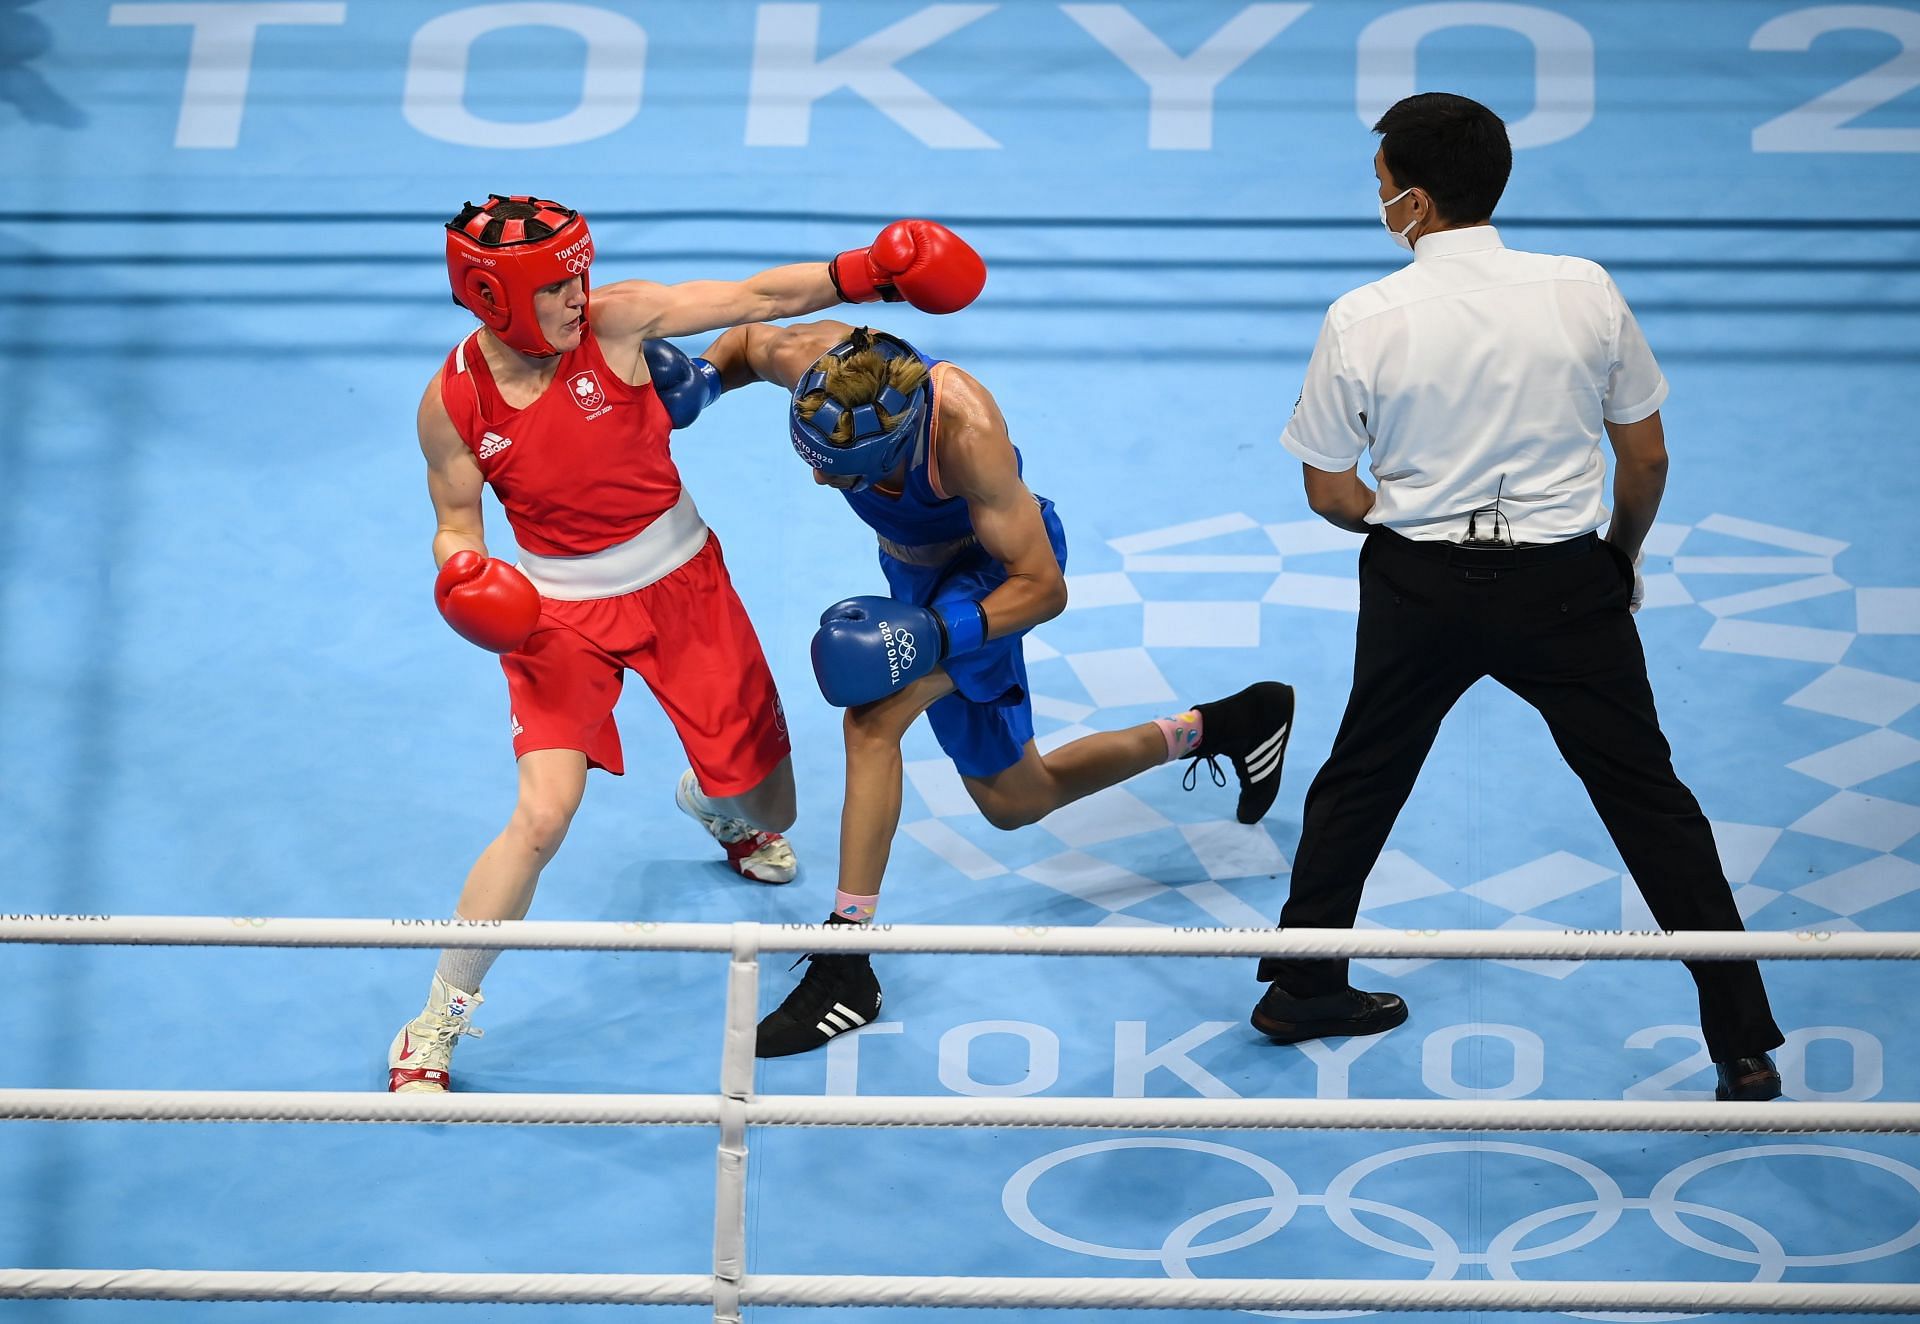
(1747, 1080)
(1286, 1019)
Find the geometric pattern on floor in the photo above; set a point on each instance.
(1310, 567)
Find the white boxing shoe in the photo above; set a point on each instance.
(422, 1052)
(752, 852)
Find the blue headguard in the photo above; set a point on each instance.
(876, 449)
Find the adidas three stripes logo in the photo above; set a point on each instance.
(1266, 755)
(840, 1017)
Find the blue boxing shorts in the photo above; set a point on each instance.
(985, 724)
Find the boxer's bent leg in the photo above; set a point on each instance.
(871, 811)
(986, 728)
(500, 886)
(1041, 783)
(840, 992)
(703, 662)
(771, 803)
(562, 689)
(502, 881)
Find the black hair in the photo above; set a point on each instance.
(539, 217)
(1452, 147)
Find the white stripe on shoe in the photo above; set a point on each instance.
(1266, 756)
(840, 1017)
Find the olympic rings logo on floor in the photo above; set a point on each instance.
(1430, 1243)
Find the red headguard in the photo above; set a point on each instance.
(490, 257)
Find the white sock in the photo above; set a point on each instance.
(465, 967)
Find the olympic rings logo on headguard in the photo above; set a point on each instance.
(1431, 1243)
(810, 455)
(576, 265)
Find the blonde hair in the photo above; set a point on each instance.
(857, 379)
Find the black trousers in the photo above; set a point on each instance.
(1551, 624)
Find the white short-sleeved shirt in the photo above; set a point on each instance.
(1475, 371)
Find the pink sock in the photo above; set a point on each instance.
(1182, 732)
(852, 906)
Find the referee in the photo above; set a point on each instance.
(1478, 382)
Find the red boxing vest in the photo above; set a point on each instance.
(583, 467)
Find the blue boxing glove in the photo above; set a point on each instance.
(685, 386)
(867, 648)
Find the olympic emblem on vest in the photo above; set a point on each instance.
(585, 389)
(1428, 1241)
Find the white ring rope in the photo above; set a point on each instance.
(994, 1293)
(603, 935)
(803, 1110)
(735, 1108)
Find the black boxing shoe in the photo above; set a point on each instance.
(838, 993)
(1747, 1080)
(1250, 731)
(1286, 1019)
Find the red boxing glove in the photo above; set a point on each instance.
(923, 262)
(486, 601)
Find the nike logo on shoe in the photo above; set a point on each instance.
(412, 1080)
(406, 1046)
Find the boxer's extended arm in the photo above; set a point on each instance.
(920, 262)
(779, 354)
(454, 481)
(977, 464)
(641, 309)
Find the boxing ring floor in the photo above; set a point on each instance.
(223, 691)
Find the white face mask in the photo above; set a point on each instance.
(1400, 235)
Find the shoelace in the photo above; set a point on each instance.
(763, 840)
(822, 970)
(1192, 778)
(726, 831)
(444, 1030)
(433, 1043)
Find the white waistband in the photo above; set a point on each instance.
(655, 552)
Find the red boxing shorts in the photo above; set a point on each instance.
(689, 638)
